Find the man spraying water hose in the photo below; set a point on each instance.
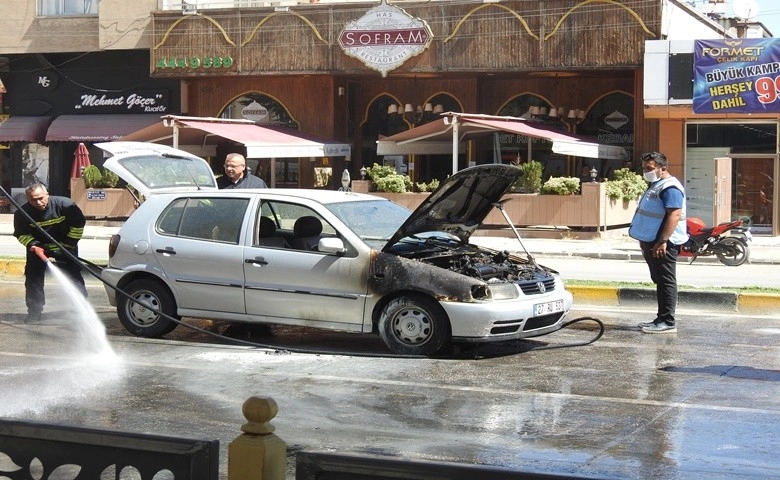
(64, 222)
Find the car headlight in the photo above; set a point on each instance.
(495, 291)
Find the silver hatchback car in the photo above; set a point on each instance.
(326, 259)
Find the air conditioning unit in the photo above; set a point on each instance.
(189, 7)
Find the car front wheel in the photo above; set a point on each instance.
(138, 313)
(414, 325)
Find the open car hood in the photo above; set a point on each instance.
(461, 202)
(153, 168)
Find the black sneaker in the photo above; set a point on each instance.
(661, 327)
(33, 317)
(647, 324)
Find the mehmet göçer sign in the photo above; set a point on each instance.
(736, 76)
(385, 37)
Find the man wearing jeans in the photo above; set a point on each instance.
(659, 225)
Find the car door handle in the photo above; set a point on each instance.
(166, 251)
(256, 261)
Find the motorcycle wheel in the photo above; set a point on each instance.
(733, 252)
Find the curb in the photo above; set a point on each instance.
(637, 256)
(12, 268)
(751, 303)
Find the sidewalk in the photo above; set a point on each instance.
(763, 249)
(95, 229)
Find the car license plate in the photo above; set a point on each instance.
(548, 308)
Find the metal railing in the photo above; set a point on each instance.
(77, 452)
(37, 450)
(334, 466)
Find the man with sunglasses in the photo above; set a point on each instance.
(659, 225)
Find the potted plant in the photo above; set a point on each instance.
(110, 179)
(531, 179)
(386, 179)
(561, 186)
(626, 186)
(92, 177)
(398, 188)
(98, 195)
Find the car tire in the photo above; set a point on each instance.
(140, 320)
(414, 325)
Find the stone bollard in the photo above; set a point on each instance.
(257, 454)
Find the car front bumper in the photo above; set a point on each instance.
(505, 319)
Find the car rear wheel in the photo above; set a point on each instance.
(414, 325)
(136, 313)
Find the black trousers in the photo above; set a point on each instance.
(663, 272)
(34, 274)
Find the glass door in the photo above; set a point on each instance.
(753, 191)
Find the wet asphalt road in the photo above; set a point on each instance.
(704, 403)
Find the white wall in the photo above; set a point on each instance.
(680, 21)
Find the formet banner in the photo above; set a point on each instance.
(736, 75)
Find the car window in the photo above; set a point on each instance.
(286, 214)
(371, 220)
(213, 219)
(157, 171)
(299, 226)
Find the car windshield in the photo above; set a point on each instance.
(375, 221)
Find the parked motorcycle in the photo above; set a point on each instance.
(729, 241)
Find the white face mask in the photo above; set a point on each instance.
(651, 176)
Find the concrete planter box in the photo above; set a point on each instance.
(102, 202)
(361, 186)
(408, 200)
(591, 211)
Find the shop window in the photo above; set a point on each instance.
(35, 164)
(426, 168)
(261, 109)
(528, 106)
(387, 115)
(53, 8)
(610, 121)
(322, 177)
(752, 148)
(266, 110)
(516, 149)
(378, 123)
(286, 172)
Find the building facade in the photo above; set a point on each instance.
(725, 140)
(324, 66)
(358, 71)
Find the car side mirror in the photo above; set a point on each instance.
(331, 245)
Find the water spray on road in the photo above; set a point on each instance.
(78, 360)
(90, 330)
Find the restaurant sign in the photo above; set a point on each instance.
(385, 37)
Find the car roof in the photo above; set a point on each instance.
(321, 196)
